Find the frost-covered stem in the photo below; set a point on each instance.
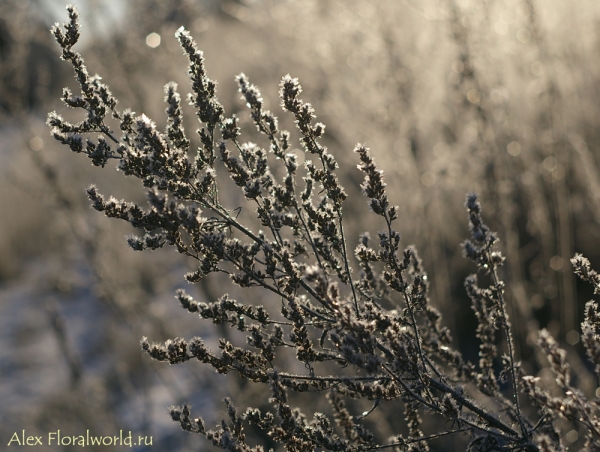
(346, 264)
(491, 420)
(509, 340)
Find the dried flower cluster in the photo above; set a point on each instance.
(574, 406)
(336, 322)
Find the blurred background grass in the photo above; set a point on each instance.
(499, 97)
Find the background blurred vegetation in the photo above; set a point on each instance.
(499, 97)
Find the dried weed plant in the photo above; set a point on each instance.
(367, 334)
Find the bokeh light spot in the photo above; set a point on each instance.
(474, 96)
(524, 9)
(549, 163)
(572, 337)
(499, 95)
(428, 179)
(556, 263)
(538, 301)
(153, 40)
(524, 35)
(471, 133)
(558, 172)
(501, 28)
(36, 144)
(537, 68)
(513, 148)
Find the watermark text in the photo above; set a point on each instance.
(125, 438)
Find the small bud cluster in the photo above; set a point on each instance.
(95, 98)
